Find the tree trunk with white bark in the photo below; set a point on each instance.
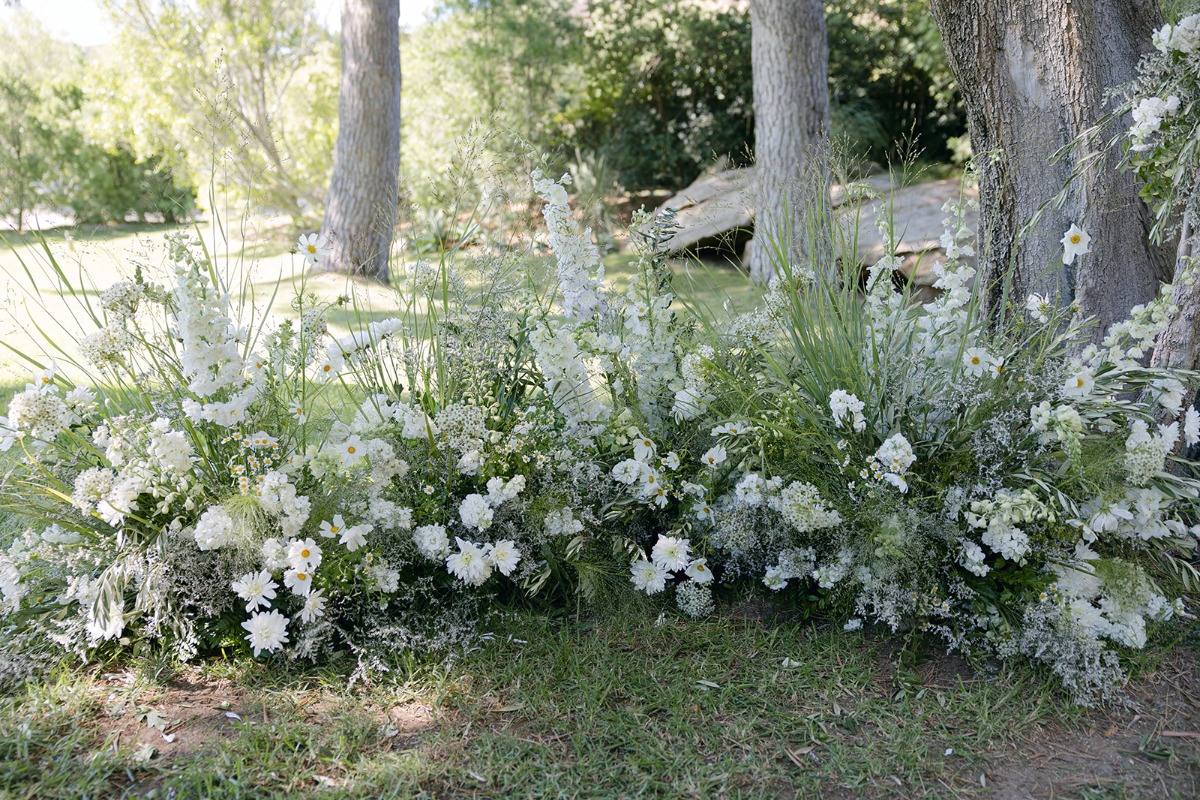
(1033, 75)
(790, 60)
(360, 212)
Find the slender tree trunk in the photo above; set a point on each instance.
(1032, 75)
(360, 213)
(790, 60)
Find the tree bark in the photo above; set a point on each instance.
(1178, 347)
(360, 212)
(790, 60)
(1032, 75)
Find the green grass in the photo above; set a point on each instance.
(614, 705)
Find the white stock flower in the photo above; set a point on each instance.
(847, 409)
(432, 541)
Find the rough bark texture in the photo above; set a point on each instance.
(1178, 346)
(790, 59)
(1033, 75)
(360, 212)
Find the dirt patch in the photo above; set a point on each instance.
(1151, 749)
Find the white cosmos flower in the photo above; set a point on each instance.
(647, 576)
(332, 529)
(314, 607)
(299, 582)
(313, 247)
(698, 571)
(256, 588)
(1038, 307)
(671, 553)
(356, 537)
(714, 457)
(643, 448)
(976, 360)
(731, 429)
(267, 631)
(1079, 384)
(1075, 242)
(504, 556)
(303, 554)
(351, 451)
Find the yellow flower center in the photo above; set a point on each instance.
(326, 368)
(312, 248)
(45, 380)
(974, 359)
(650, 479)
(1075, 239)
(1079, 383)
(334, 528)
(304, 553)
(351, 450)
(300, 576)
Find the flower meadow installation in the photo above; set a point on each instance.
(223, 478)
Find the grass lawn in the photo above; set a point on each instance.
(613, 702)
(612, 705)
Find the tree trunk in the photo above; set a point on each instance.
(1178, 347)
(790, 59)
(1032, 75)
(360, 213)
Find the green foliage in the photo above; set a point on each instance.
(23, 140)
(243, 94)
(889, 84)
(668, 89)
(48, 153)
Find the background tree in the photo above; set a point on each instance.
(1033, 74)
(790, 59)
(239, 94)
(23, 148)
(360, 210)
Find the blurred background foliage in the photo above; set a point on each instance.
(196, 99)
